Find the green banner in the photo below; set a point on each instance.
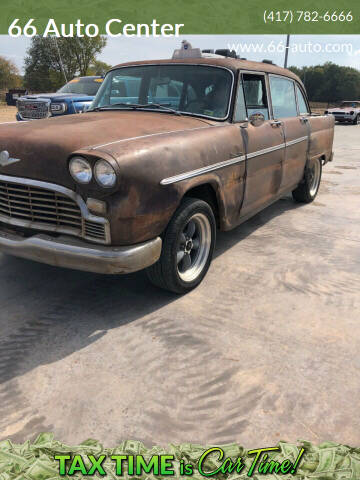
(197, 17)
(41, 460)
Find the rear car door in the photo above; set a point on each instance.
(264, 144)
(285, 98)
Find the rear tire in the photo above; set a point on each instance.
(188, 247)
(309, 187)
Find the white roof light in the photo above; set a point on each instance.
(186, 51)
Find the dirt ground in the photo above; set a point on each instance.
(267, 348)
(7, 114)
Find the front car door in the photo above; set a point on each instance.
(290, 107)
(264, 144)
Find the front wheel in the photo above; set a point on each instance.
(188, 246)
(309, 187)
(357, 120)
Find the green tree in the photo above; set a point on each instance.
(50, 61)
(329, 82)
(98, 68)
(9, 74)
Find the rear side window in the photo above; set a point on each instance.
(283, 97)
(303, 108)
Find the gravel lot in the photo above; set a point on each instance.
(267, 348)
(7, 114)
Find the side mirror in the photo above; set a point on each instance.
(257, 119)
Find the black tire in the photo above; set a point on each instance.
(166, 272)
(308, 188)
(357, 120)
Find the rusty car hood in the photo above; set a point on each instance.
(44, 146)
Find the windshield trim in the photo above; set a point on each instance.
(180, 111)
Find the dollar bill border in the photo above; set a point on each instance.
(35, 461)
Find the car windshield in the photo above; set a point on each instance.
(82, 86)
(188, 89)
(350, 104)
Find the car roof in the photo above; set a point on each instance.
(233, 64)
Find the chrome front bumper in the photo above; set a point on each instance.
(68, 252)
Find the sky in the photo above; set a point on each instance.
(304, 49)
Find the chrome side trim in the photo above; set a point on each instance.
(226, 163)
(86, 215)
(297, 140)
(200, 171)
(266, 150)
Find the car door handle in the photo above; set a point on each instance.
(276, 123)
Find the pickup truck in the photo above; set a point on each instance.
(348, 112)
(74, 97)
(144, 179)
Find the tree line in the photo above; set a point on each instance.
(330, 83)
(9, 75)
(50, 62)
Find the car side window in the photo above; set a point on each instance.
(251, 97)
(255, 95)
(303, 108)
(283, 97)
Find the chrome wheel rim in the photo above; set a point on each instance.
(314, 177)
(193, 247)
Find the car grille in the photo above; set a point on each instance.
(338, 113)
(32, 110)
(44, 209)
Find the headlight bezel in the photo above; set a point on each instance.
(86, 163)
(111, 169)
(58, 111)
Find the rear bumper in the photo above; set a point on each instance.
(67, 252)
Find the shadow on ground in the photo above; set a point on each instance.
(81, 304)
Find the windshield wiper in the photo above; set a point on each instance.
(109, 107)
(160, 105)
(135, 106)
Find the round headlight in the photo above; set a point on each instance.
(80, 170)
(104, 174)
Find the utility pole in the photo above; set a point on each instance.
(287, 50)
(60, 59)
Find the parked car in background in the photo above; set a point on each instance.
(74, 97)
(144, 179)
(349, 112)
(13, 95)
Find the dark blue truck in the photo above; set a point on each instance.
(74, 97)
